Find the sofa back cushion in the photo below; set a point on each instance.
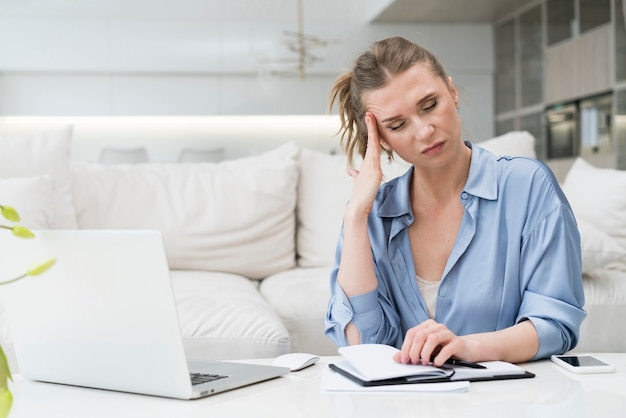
(598, 196)
(323, 192)
(42, 154)
(514, 143)
(31, 197)
(236, 216)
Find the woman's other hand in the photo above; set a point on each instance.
(431, 341)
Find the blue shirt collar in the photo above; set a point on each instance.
(481, 182)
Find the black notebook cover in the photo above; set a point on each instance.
(408, 380)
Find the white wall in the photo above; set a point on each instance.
(81, 67)
(164, 137)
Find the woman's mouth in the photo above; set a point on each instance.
(433, 149)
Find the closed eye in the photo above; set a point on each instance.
(396, 127)
(430, 105)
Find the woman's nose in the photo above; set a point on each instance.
(423, 130)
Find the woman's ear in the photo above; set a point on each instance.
(385, 146)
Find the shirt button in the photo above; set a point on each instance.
(442, 293)
(464, 196)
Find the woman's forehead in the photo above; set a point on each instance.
(413, 84)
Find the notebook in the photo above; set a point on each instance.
(105, 317)
(373, 365)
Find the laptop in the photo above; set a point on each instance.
(104, 316)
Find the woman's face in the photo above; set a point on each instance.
(416, 115)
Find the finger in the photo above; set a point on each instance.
(406, 346)
(444, 354)
(411, 349)
(452, 349)
(438, 345)
(353, 173)
(413, 342)
(373, 141)
(431, 345)
(417, 348)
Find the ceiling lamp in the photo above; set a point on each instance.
(301, 45)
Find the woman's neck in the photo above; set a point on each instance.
(436, 186)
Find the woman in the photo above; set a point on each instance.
(467, 255)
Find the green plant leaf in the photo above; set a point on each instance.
(41, 267)
(22, 232)
(9, 213)
(5, 373)
(6, 400)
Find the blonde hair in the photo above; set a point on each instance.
(372, 70)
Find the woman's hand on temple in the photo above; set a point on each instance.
(369, 176)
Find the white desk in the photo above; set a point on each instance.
(554, 392)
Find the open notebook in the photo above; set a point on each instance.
(105, 317)
(373, 365)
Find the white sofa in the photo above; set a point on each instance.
(251, 241)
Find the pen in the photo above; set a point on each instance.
(461, 363)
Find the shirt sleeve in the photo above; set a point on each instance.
(372, 313)
(551, 275)
(363, 310)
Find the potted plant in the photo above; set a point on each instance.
(11, 215)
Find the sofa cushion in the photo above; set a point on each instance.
(300, 298)
(235, 216)
(37, 155)
(223, 316)
(515, 143)
(323, 191)
(32, 197)
(597, 247)
(597, 196)
(605, 303)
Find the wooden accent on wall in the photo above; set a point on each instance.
(578, 67)
(594, 62)
(560, 72)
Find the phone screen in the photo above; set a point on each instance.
(582, 361)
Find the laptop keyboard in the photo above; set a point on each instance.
(200, 378)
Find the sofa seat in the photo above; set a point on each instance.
(241, 325)
(300, 297)
(605, 303)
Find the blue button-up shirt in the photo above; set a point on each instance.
(516, 257)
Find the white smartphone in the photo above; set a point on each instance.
(583, 363)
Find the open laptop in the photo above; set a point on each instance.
(105, 317)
